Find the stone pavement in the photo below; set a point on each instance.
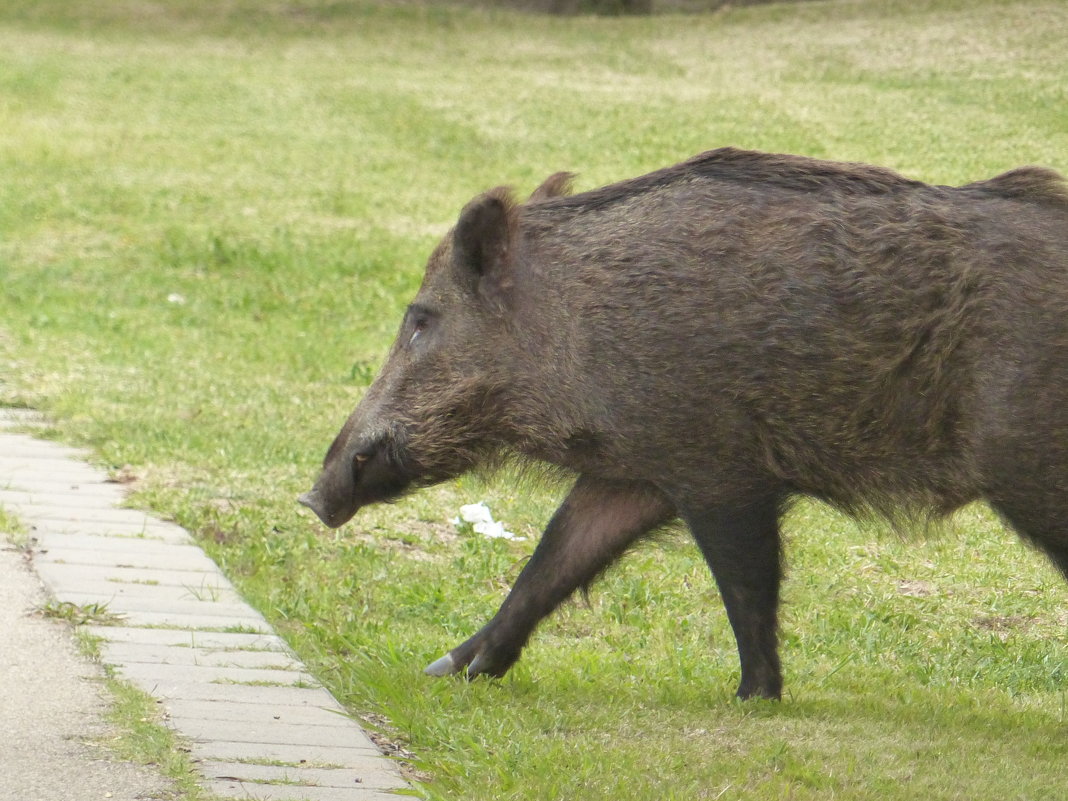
(53, 732)
(260, 727)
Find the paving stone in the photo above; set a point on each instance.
(48, 468)
(124, 550)
(257, 713)
(16, 441)
(133, 545)
(64, 515)
(158, 599)
(238, 693)
(153, 532)
(58, 573)
(87, 514)
(172, 638)
(18, 458)
(316, 756)
(207, 674)
(195, 584)
(158, 592)
(66, 498)
(185, 637)
(118, 602)
(23, 446)
(14, 416)
(96, 487)
(59, 534)
(134, 653)
(204, 623)
(191, 558)
(346, 778)
(117, 592)
(90, 494)
(19, 477)
(134, 539)
(275, 732)
(283, 792)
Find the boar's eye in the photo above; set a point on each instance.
(420, 321)
(418, 328)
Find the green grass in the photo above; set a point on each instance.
(80, 614)
(144, 738)
(13, 530)
(211, 215)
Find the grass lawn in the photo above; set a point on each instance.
(211, 216)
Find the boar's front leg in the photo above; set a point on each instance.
(593, 526)
(742, 547)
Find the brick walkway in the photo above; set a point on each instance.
(260, 726)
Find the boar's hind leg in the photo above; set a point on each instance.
(1041, 524)
(589, 531)
(742, 547)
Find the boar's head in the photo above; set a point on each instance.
(433, 411)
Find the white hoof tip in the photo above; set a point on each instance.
(441, 667)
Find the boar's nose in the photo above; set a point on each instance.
(313, 501)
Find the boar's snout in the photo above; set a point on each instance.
(314, 501)
(334, 512)
(354, 477)
(335, 496)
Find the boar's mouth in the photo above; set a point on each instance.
(369, 474)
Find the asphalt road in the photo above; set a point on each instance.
(53, 737)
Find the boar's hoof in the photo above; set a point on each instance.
(479, 665)
(442, 667)
(448, 666)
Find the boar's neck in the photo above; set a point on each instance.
(557, 404)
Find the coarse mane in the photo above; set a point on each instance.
(799, 173)
(796, 173)
(808, 175)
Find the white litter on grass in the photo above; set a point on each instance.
(475, 513)
(482, 522)
(176, 299)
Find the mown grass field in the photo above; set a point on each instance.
(211, 216)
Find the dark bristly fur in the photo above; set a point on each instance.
(710, 340)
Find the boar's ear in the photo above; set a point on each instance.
(482, 243)
(556, 185)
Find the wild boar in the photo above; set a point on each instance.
(709, 341)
